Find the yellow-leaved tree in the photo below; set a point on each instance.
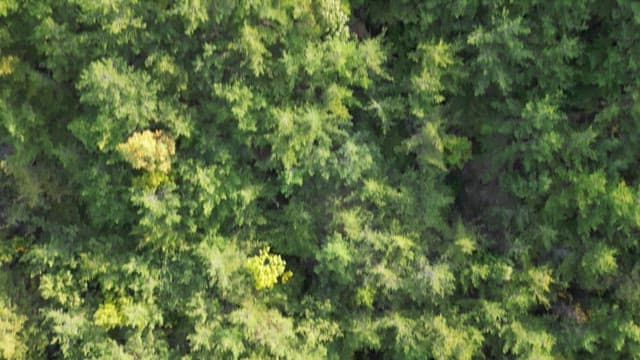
(148, 150)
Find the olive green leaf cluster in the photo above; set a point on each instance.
(319, 179)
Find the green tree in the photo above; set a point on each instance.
(341, 179)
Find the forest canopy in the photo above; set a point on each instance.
(319, 179)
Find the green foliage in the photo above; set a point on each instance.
(446, 179)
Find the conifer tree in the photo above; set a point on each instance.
(319, 179)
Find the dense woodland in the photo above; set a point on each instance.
(319, 179)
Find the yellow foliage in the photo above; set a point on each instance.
(148, 150)
(11, 343)
(150, 180)
(108, 316)
(286, 276)
(7, 63)
(266, 268)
